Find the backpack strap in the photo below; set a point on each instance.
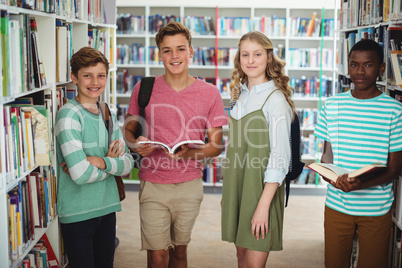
(296, 165)
(107, 119)
(145, 92)
(144, 95)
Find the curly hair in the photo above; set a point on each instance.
(274, 70)
(86, 57)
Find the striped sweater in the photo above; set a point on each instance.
(361, 132)
(88, 192)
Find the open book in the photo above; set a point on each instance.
(332, 171)
(175, 148)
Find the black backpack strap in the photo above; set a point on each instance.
(296, 166)
(144, 95)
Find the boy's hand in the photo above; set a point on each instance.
(143, 149)
(180, 153)
(65, 168)
(116, 149)
(348, 184)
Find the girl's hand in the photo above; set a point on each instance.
(116, 149)
(259, 222)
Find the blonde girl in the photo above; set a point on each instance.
(258, 152)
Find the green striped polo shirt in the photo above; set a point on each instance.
(88, 192)
(361, 132)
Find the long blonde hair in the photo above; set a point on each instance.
(274, 70)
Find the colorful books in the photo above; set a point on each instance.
(396, 65)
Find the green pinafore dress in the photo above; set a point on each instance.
(248, 154)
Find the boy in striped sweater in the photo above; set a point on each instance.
(88, 198)
(360, 127)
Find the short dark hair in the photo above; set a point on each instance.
(86, 57)
(369, 45)
(172, 28)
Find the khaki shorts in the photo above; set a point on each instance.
(168, 213)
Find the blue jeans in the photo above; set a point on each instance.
(90, 243)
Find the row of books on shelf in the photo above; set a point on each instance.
(200, 25)
(395, 55)
(310, 57)
(307, 118)
(64, 93)
(30, 205)
(64, 50)
(92, 10)
(130, 24)
(312, 147)
(303, 87)
(310, 87)
(125, 82)
(41, 255)
(229, 26)
(311, 27)
(203, 56)
(100, 39)
(233, 26)
(21, 62)
(157, 21)
(355, 13)
(28, 137)
(130, 54)
(272, 26)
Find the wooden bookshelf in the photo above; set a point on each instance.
(79, 22)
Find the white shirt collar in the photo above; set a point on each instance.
(259, 88)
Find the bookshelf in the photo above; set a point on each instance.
(88, 16)
(382, 25)
(288, 44)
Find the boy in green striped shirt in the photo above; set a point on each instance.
(88, 198)
(360, 127)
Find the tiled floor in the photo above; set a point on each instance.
(303, 236)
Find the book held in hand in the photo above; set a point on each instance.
(174, 149)
(332, 172)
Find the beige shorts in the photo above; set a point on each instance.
(168, 213)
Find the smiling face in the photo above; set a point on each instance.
(175, 53)
(364, 68)
(91, 82)
(253, 61)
